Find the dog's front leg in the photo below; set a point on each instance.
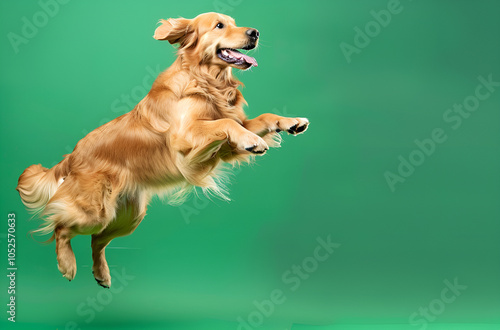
(271, 123)
(202, 138)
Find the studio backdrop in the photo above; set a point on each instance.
(385, 214)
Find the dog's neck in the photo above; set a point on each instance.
(215, 82)
(217, 76)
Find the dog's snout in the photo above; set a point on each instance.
(253, 34)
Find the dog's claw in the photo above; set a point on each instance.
(100, 283)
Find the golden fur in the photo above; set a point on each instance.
(191, 120)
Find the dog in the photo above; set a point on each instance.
(176, 138)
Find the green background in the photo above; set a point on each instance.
(202, 265)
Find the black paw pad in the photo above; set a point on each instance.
(293, 129)
(301, 128)
(258, 152)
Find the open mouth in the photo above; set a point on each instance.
(233, 56)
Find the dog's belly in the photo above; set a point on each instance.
(129, 213)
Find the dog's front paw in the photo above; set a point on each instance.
(293, 126)
(254, 144)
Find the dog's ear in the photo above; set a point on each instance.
(174, 30)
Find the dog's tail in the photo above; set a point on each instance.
(38, 184)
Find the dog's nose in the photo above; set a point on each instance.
(253, 34)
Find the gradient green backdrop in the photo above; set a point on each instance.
(202, 265)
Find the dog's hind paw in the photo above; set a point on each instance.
(67, 271)
(105, 283)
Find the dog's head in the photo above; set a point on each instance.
(211, 38)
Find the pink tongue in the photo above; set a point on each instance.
(250, 60)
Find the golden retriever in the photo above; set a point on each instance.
(189, 123)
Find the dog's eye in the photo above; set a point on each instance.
(219, 26)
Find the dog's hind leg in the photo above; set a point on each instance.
(66, 262)
(100, 267)
(128, 217)
(81, 206)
